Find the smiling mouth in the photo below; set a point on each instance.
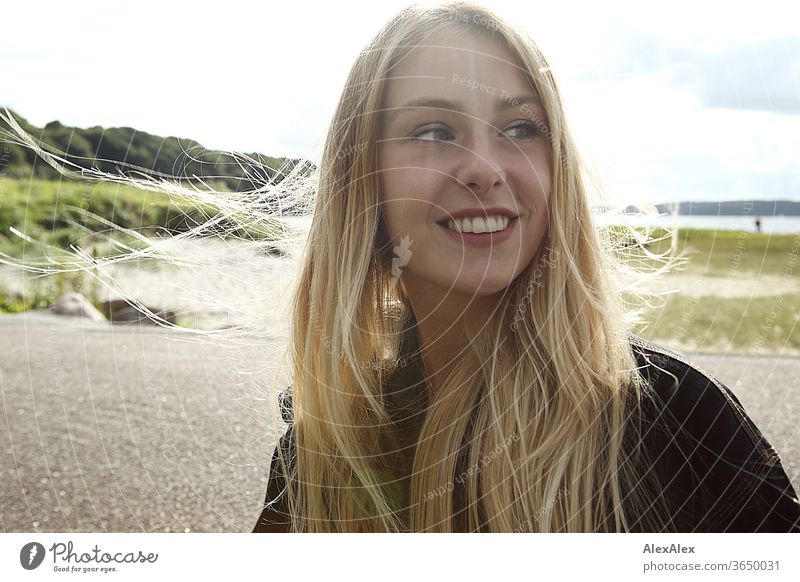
(454, 226)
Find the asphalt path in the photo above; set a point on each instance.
(139, 429)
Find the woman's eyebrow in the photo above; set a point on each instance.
(503, 104)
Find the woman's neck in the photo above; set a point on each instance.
(440, 319)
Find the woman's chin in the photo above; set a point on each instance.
(482, 287)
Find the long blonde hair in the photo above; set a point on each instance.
(526, 431)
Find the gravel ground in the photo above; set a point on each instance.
(138, 429)
(131, 428)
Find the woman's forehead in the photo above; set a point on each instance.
(463, 68)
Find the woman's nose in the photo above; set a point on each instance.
(481, 167)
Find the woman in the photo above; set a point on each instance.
(461, 361)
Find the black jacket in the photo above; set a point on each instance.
(718, 472)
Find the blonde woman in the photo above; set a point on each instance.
(460, 353)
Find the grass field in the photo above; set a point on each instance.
(55, 213)
(739, 291)
(723, 253)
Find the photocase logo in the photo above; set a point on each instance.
(31, 555)
(402, 256)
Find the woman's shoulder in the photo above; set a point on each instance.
(275, 516)
(687, 399)
(285, 405)
(699, 401)
(699, 430)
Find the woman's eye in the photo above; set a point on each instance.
(432, 133)
(438, 133)
(523, 130)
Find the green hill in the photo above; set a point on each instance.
(126, 150)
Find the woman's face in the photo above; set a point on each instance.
(455, 141)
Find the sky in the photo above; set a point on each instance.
(686, 101)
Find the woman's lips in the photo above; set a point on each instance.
(483, 239)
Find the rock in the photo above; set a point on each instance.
(273, 251)
(120, 311)
(76, 305)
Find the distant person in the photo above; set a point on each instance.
(758, 224)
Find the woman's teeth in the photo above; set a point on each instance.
(478, 224)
